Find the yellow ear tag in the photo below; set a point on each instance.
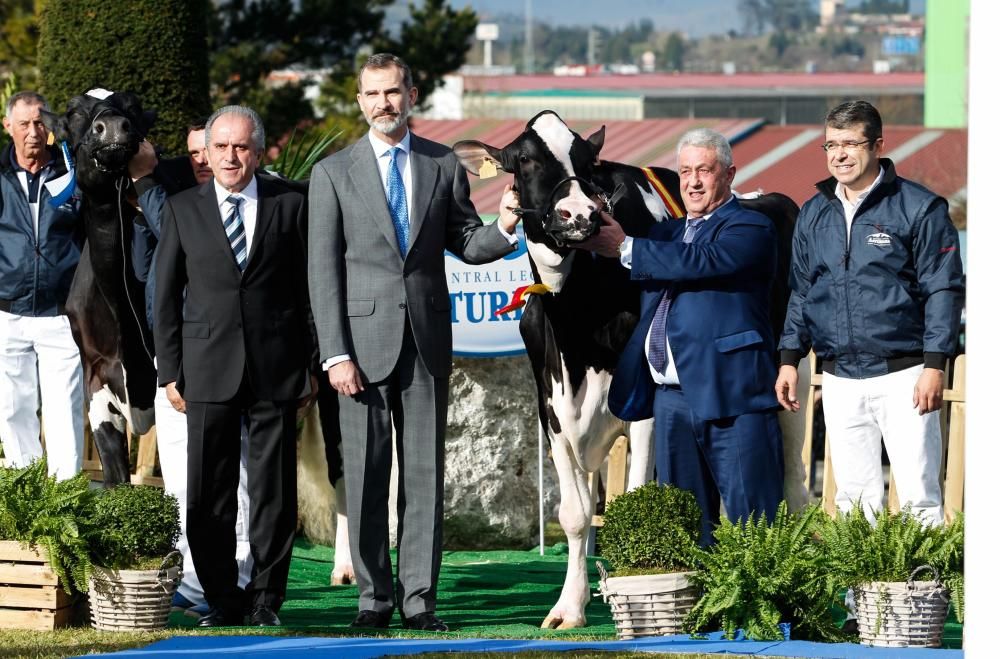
(488, 169)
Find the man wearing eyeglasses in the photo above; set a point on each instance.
(877, 292)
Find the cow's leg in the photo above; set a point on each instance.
(108, 426)
(576, 507)
(343, 567)
(640, 441)
(793, 430)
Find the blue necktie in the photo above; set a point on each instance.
(396, 196)
(658, 329)
(236, 232)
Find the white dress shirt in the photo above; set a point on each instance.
(851, 208)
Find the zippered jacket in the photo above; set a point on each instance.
(35, 273)
(885, 298)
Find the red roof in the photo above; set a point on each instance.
(785, 158)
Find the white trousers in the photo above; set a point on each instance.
(38, 356)
(171, 443)
(860, 415)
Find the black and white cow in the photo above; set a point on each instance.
(575, 332)
(106, 305)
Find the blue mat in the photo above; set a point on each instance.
(262, 647)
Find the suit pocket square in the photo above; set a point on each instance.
(732, 342)
(360, 307)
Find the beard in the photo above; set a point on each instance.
(387, 124)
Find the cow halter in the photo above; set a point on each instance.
(547, 215)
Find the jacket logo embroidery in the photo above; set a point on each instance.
(879, 239)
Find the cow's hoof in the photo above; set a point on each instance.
(555, 621)
(341, 577)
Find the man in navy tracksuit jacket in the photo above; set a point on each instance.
(877, 293)
(40, 240)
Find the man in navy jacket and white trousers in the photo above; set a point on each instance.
(701, 359)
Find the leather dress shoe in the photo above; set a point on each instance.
(263, 616)
(217, 617)
(369, 619)
(425, 621)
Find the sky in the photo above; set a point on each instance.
(696, 18)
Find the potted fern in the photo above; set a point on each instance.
(763, 579)
(136, 568)
(903, 573)
(39, 511)
(650, 537)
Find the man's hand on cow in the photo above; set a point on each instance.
(509, 200)
(785, 387)
(175, 398)
(345, 378)
(929, 391)
(605, 242)
(143, 162)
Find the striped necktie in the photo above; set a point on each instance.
(658, 329)
(236, 232)
(396, 196)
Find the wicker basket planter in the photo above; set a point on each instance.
(649, 604)
(902, 613)
(134, 599)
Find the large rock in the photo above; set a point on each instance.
(491, 462)
(491, 456)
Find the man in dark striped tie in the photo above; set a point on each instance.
(234, 339)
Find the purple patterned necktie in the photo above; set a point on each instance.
(236, 232)
(658, 329)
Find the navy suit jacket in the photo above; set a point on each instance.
(718, 323)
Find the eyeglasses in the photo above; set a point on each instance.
(846, 146)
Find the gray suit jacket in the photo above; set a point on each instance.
(360, 287)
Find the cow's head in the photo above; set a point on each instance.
(102, 134)
(552, 168)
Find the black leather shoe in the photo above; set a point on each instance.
(263, 616)
(369, 619)
(217, 617)
(425, 621)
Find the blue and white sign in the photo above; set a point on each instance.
(477, 292)
(900, 45)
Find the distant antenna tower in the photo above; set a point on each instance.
(529, 39)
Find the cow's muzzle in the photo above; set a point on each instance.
(565, 230)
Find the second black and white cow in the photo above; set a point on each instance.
(574, 333)
(105, 305)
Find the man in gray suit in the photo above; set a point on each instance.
(381, 214)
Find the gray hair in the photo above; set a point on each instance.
(243, 111)
(706, 138)
(28, 98)
(384, 61)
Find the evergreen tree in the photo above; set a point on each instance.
(153, 48)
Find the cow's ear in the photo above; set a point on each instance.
(473, 155)
(597, 143)
(57, 125)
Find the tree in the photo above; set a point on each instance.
(19, 40)
(154, 48)
(673, 52)
(780, 15)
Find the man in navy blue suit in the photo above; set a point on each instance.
(702, 359)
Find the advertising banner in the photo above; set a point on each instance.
(477, 292)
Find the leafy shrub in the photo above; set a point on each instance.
(757, 575)
(135, 523)
(653, 528)
(892, 548)
(39, 511)
(156, 49)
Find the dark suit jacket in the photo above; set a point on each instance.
(717, 324)
(258, 322)
(362, 290)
